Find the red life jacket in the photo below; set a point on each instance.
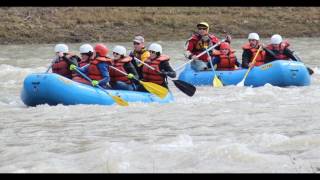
(199, 46)
(227, 62)
(278, 51)
(150, 75)
(260, 57)
(119, 64)
(81, 64)
(93, 70)
(62, 67)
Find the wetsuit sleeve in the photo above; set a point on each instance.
(103, 67)
(71, 60)
(165, 66)
(237, 62)
(246, 56)
(270, 56)
(131, 69)
(289, 53)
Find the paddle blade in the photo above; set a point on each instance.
(310, 71)
(241, 83)
(185, 87)
(216, 82)
(155, 89)
(119, 100)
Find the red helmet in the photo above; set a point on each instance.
(101, 49)
(224, 45)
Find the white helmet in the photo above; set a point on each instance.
(120, 50)
(155, 47)
(254, 36)
(276, 39)
(61, 48)
(86, 48)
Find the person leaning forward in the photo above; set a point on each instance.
(160, 62)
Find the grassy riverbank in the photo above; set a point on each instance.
(21, 25)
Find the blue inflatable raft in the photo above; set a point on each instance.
(53, 89)
(277, 73)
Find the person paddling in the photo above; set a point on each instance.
(123, 63)
(97, 69)
(278, 49)
(250, 49)
(86, 52)
(63, 60)
(199, 42)
(161, 64)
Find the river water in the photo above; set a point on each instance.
(231, 129)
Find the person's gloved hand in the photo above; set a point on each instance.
(94, 82)
(72, 67)
(130, 76)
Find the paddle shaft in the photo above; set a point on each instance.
(202, 53)
(87, 78)
(185, 87)
(253, 62)
(149, 66)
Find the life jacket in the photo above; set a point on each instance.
(119, 64)
(199, 45)
(62, 66)
(260, 57)
(278, 51)
(150, 75)
(93, 70)
(227, 62)
(81, 63)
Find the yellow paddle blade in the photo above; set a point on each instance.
(119, 100)
(216, 82)
(155, 89)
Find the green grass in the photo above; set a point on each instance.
(107, 24)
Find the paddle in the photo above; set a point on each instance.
(185, 87)
(117, 99)
(294, 55)
(51, 64)
(216, 81)
(241, 83)
(202, 53)
(153, 88)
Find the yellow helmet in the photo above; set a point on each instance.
(203, 24)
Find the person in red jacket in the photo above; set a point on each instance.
(63, 60)
(278, 50)
(162, 67)
(198, 43)
(123, 63)
(97, 70)
(225, 59)
(86, 52)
